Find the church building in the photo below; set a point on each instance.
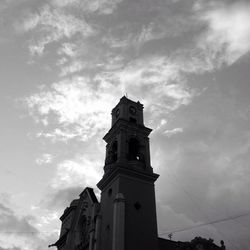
(125, 216)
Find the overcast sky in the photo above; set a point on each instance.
(64, 64)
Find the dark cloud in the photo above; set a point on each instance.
(60, 199)
(11, 223)
(204, 170)
(22, 229)
(209, 163)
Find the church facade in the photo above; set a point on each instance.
(125, 217)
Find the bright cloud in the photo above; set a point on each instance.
(156, 76)
(80, 171)
(44, 159)
(73, 67)
(79, 108)
(68, 49)
(100, 6)
(228, 36)
(54, 25)
(54, 20)
(63, 3)
(172, 132)
(80, 104)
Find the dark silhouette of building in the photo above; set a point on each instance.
(125, 217)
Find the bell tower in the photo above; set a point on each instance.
(128, 211)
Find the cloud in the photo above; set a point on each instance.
(111, 75)
(172, 132)
(52, 25)
(68, 49)
(54, 20)
(79, 104)
(153, 76)
(124, 36)
(104, 7)
(44, 159)
(74, 67)
(79, 108)
(64, 3)
(204, 169)
(12, 248)
(152, 69)
(61, 61)
(61, 198)
(62, 135)
(13, 224)
(228, 34)
(79, 171)
(170, 221)
(48, 219)
(198, 193)
(208, 42)
(31, 232)
(17, 229)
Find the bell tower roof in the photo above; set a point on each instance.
(128, 110)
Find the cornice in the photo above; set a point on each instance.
(127, 172)
(123, 125)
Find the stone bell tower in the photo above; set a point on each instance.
(128, 212)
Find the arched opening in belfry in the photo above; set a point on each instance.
(114, 149)
(134, 149)
(133, 120)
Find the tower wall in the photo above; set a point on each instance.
(140, 208)
(140, 226)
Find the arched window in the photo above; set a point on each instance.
(82, 228)
(114, 151)
(134, 147)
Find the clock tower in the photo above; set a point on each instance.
(127, 218)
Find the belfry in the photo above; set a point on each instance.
(125, 217)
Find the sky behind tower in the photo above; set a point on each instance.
(66, 63)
